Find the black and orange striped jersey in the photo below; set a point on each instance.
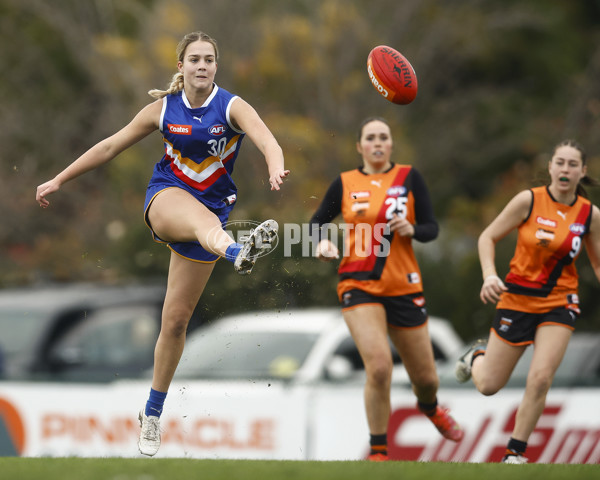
(374, 259)
(542, 272)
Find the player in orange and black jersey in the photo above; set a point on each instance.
(384, 206)
(537, 302)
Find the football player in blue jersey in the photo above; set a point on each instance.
(190, 195)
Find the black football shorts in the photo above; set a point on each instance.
(403, 311)
(518, 328)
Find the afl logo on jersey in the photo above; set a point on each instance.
(577, 228)
(217, 130)
(396, 191)
(180, 129)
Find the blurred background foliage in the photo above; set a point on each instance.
(500, 83)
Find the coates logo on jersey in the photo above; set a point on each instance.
(180, 129)
(396, 191)
(12, 430)
(360, 195)
(217, 130)
(546, 222)
(577, 228)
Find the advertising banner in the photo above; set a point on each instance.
(278, 421)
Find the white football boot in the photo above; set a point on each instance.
(149, 442)
(462, 369)
(259, 241)
(514, 459)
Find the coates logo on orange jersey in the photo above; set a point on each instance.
(12, 430)
(180, 129)
(217, 130)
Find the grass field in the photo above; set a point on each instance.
(179, 469)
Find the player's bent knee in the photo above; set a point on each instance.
(488, 388)
(488, 392)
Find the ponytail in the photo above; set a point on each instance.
(176, 86)
(587, 181)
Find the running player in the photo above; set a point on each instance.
(537, 302)
(190, 195)
(386, 206)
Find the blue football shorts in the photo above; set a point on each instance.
(190, 250)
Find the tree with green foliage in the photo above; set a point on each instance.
(499, 83)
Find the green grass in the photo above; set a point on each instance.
(182, 469)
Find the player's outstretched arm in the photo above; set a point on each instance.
(145, 122)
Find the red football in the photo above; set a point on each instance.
(392, 75)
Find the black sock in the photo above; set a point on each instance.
(379, 443)
(516, 447)
(477, 353)
(428, 409)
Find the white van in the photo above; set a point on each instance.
(299, 345)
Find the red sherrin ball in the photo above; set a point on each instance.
(392, 75)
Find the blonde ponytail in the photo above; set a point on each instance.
(176, 86)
